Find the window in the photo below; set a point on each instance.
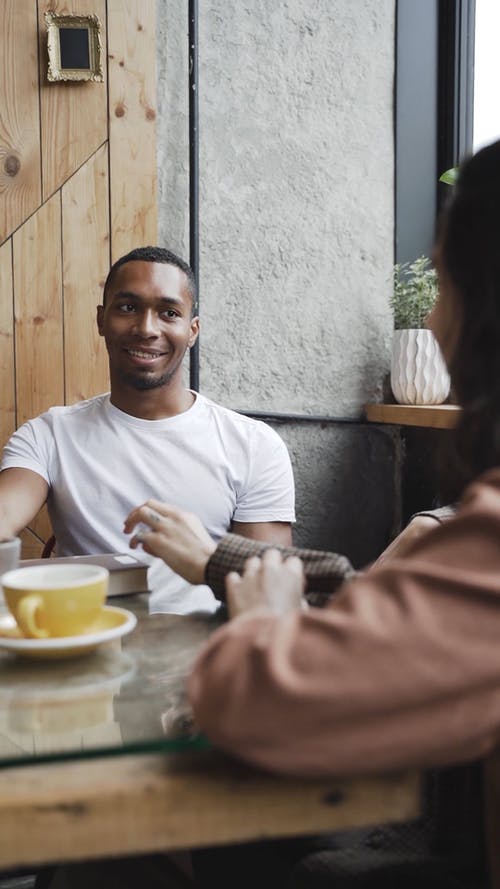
(486, 118)
(434, 111)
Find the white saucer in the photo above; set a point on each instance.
(112, 623)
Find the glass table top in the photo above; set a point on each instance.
(126, 696)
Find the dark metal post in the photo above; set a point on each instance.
(457, 26)
(194, 241)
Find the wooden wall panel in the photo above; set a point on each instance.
(85, 228)
(36, 535)
(73, 115)
(132, 127)
(20, 188)
(98, 180)
(38, 312)
(7, 385)
(31, 544)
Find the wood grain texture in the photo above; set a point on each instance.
(41, 529)
(132, 125)
(31, 545)
(130, 804)
(85, 230)
(20, 187)
(38, 312)
(7, 384)
(47, 311)
(73, 115)
(435, 416)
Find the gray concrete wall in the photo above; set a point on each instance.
(347, 493)
(296, 216)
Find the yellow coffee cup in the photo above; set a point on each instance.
(55, 600)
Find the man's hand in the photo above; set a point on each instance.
(177, 537)
(417, 528)
(269, 582)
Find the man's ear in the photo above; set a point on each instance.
(195, 329)
(100, 319)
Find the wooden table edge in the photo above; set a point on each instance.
(132, 804)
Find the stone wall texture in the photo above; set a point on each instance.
(296, 228)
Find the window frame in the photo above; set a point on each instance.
(434, 110)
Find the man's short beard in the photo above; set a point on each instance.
(144, 382)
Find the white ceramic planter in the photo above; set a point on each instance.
(418, 371)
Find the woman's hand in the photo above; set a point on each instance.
(268, 582)
(177, 537)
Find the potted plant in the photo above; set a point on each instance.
(418, 371)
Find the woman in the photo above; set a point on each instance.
(402, 667)
(323, 695)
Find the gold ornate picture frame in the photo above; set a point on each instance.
(74, 47)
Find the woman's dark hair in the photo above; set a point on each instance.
(469, 241)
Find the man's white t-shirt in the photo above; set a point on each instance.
(100, 463)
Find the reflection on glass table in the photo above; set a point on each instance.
(126, 696)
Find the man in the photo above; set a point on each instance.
(149, 437)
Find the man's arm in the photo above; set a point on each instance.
(265, 502)
(180, 539)
(22, 494)
(268, 532)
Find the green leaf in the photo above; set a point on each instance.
(449, 177)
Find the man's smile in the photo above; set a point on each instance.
(148, 355)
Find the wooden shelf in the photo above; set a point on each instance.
(434, 416)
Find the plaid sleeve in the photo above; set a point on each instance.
(441, 514)
(324, 571)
